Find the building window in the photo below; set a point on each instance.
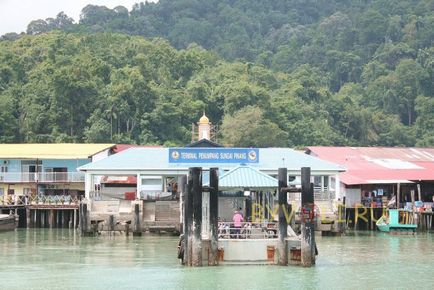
(27, 191)
(317, 181)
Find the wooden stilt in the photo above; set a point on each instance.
(63, 217)
(307, 226)
(398, 195)
(343, 216)
(137, 231)
(213, 215)
(42, 218)
(51, 218)
(283, 223)
(28, 217)
(183, 188)
(111, 224)
(84, 222)
(197, 217)
(188, 219)
(75, 219)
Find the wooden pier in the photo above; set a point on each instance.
(43, 211)
(201, 244)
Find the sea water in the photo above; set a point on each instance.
(61, 259)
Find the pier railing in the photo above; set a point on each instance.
(248, 230)
(39, 200)
(47, 177)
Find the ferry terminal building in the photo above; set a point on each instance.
(153, 174)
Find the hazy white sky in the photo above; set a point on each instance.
(16, 14)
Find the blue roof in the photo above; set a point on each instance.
(137, 159)
(245, 176)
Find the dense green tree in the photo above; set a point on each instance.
(323, 72)
(249, 128)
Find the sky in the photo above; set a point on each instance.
(16, 14)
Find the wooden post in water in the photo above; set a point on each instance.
(84, 220)
(28, 217)
(75, 218)
(342, 216)
(307, 223)
(63, 217)
(197, 217)
(188, 218)
(398, 191)
(183, 188)
(51, 218)
(283, 223)
(111, 224)
(137, 231)
(43, 219)
(213, 215)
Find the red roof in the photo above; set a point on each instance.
(370, 165)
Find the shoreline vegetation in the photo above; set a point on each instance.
(268, 73)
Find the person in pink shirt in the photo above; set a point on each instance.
(237, 219)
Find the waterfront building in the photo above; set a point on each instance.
(375, 177)
(28, 170)
(158, 171)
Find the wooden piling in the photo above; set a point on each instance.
(137, 231)
(197, 217)
(111, 224)
(63, 218)
(307, 220)
(188, 219)
(342, 216)
(283, 223)
(84, 220)
(51, 218)
(183, 188)
(28, 218)
(36, 216)
(75, 219)
(213, 215)
(43, 223)
(398, 193)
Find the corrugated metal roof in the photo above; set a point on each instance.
(366, 165)
(51, 151)
(245, 176)
(136, 159)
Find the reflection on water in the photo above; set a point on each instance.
(60, 259)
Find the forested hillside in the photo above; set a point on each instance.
(270, 73)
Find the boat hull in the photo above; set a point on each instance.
(390, 224)
(7, 222)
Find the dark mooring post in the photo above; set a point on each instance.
(84, 224)
(188, 219)
(183, 187)
(283, 223)
(28, 219)
(197, 217)
(213, 215)
(137, 231)
(111, 224)
(342, 217)
(307, 220)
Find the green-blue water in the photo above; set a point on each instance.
(60, 259)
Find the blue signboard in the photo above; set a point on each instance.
(213, 155)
